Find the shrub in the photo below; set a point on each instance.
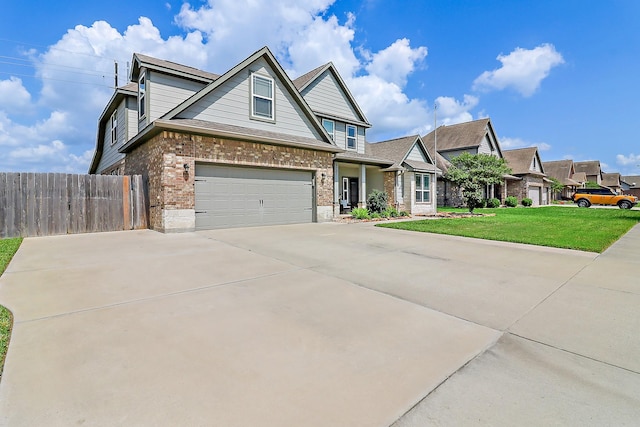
(511, 201)
(390, 212)
(481, 204)
(360, 213)
(493, 203)
(527, 202)
(375, 215)
(377, 201)
(403, 213)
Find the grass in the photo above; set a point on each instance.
(8, 247)
(592, 230)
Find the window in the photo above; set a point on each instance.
(351, 137)
(261, 97)
(345, 189)
(142, 91)
(329, 126)
(423, 189)
(114, 127)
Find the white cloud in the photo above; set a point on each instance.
(512, 143)
(76, 72)
(396, 62)
(630, 160)
(14, 96)
(452, 111)
(522, 70)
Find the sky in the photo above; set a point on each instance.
(555, 74)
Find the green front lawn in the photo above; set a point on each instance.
(8, 247)
(591, 230)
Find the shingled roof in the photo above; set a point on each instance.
(590, 167)
(562, 170)
(397, 150)
(458, 136)
(301, 81)
(632, 180)
(519, 160)
(163, 65)
(611, 180)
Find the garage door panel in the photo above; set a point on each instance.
(236, 196)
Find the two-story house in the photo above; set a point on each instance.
(474, 137)
(248, 147)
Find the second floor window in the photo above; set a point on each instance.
(351, 137)
(329, 126)
(261, 97)
(114, 127)
(142, 92)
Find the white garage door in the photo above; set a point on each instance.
(534, 194)
(228, 196)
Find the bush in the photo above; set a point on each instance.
(375, 215)
(390, 212)
(404, 213)
(377, 201)
(527, 202)
(511, 201)
(360, 213)
(493, 203)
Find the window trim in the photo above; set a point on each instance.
(114, 127)
(142, 96)
(254, 95)
(354, 137)
(332, 134)
(420, 189)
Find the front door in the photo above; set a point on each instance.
(354, 193)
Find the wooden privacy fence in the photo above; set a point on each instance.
(45, 204)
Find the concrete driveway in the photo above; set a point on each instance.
(319, 324)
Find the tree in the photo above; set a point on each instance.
(591, 184)
(473, 172)
(556, 187)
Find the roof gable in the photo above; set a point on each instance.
(521, 159)
(590, 167)
(328, 95)
(463, 136)
(263, 56)
(409, 149)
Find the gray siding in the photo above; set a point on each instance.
(230, 104)
(485, 146)
(417, 154)
(110, 153)
(340, 131)
(455, 153)
(164, 93)
(132, 117)
(325, 95)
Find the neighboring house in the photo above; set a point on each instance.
(632, 184)
(532, 181)
(249, 147)
(591, 169)
(612, 181)
(564, 172)
(411, 178)
(473, 137)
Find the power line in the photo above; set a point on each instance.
(30, 64)
(58, 80)
(96, 73)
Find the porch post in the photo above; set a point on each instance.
(336, 188)
(363, 186)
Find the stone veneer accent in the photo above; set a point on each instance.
(390, 188)
(520, 189)
(161, 161)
